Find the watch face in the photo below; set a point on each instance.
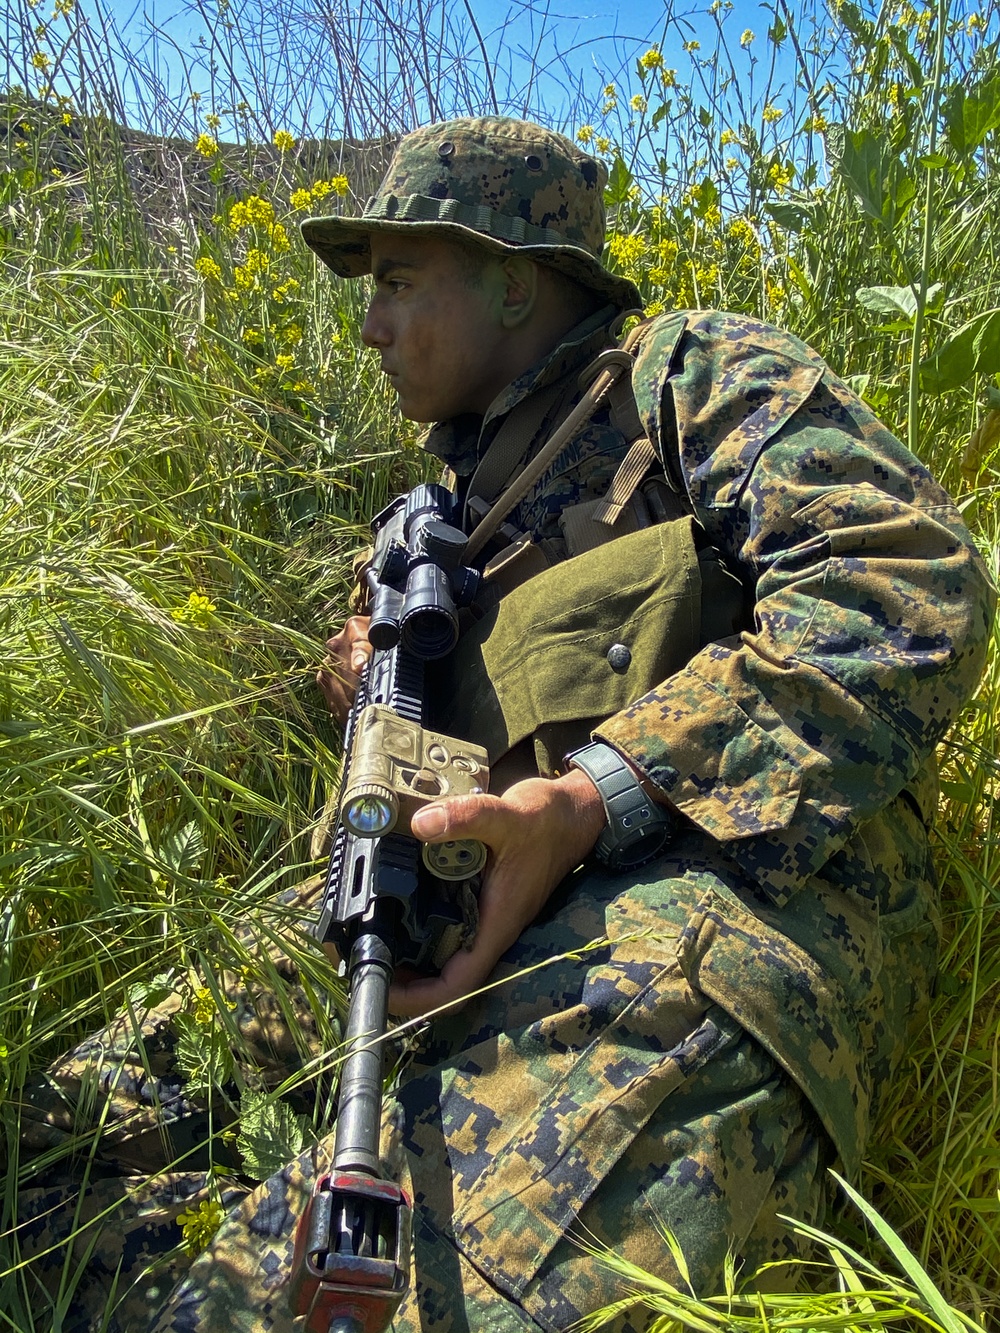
(642, 846)
(637, 828)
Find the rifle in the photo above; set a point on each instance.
(388, 900)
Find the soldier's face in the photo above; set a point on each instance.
(439, 331)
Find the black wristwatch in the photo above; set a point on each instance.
(638, 828)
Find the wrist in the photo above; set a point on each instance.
(636, 827)
(586, 806)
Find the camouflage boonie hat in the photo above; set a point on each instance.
(506, 184)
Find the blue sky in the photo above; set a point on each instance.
(576, 52)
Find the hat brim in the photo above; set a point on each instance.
(343, 245)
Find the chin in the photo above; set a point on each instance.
(414, 412)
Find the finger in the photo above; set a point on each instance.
(463, 974)
(351, 645)
(500, 925)
(482, 817)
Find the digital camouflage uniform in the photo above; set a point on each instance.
(750, 991)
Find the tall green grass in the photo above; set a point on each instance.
(193, 438)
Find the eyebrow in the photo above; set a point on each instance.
(385, 267)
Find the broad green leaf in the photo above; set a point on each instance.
(973, 349)
(708, 195)
(875, 174)
(619, 184)
(898, 300)
(183, 849)
(855, 23)
(888, 300)
(970, 114)
(793, 217)
(271, 1134)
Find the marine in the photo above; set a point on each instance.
(730, 604)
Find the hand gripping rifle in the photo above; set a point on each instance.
(388, 900)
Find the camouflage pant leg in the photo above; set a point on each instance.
(126, 1086)
(117, 1140)
(597, 1096)
(105, 1250)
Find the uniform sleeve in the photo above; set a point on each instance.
(871, 606)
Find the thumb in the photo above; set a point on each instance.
(479, 817)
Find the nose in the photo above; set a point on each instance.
(373, 330)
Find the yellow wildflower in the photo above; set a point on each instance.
(727, 137)
(64, 8)
(741, 230)
(256, 261)
(300, 199)
(667, 251)
(40, 61)
(816, 124)
(772, 113)
(638, 103)
(283, 141)
(747, 37)
(199, 1225)
(208, 268)
(292, 335)
(40, 31)
(118, 298)
(67, 119)
(213, 121)
(253, 337)
(585, 133)
(731, 163)
(279, 237)
(626, 250)
(303, 386)
(340, 185)
(780, 177)
(196, 611)
(206, 145)
(707, 277)
(251, 212)
(668, 77)
(195, 98)
(692, 46)
(204, 1006)
(713, 216)
(321, 189)
(603, 144)
(660, 276)
(974, 23)
(284, 361)
(654, 308)
(652, 59)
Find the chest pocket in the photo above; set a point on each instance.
(541, 663)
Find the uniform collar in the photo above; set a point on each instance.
(460, 441)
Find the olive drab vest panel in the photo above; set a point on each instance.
(540, 664)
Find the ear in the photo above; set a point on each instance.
(520, 276)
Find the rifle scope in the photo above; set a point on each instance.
(418, 578)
